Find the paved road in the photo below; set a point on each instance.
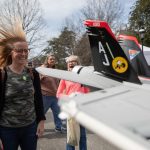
(57, 141)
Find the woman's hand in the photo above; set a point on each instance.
(40, 128)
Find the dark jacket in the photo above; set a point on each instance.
(37, 93)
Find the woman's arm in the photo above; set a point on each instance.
(61, 89)
(38, 97)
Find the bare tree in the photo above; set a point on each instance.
(30, 13)
(106, 10)
(75, 23)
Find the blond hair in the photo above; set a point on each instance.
(10, 34)
(73, 58)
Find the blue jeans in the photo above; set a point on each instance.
(82, 142)
(25, 137)
(52, 102)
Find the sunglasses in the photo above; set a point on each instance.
(20, 50)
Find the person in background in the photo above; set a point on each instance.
(49, 87)
(68, 88)
(21, 106)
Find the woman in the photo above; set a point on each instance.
(49, 87)
(21, 107)
(68, 88)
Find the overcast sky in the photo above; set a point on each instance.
(55, 11)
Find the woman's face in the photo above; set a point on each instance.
(20, 53)
(71, 64)
(51, 61)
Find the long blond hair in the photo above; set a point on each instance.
(10, 34)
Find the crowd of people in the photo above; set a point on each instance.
(27, 95)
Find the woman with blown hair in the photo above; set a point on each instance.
(21, 106)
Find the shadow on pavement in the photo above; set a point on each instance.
(51, 134)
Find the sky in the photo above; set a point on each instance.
(55, 12)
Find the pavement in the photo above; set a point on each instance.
(52, 140)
